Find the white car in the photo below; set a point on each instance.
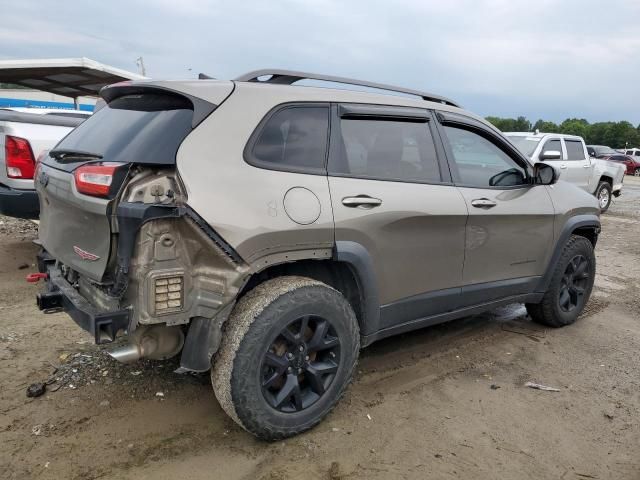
(633, 152)
(568, 153)
(25, 133)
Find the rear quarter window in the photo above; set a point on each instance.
(292, 138)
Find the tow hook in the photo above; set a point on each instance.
(36, 277)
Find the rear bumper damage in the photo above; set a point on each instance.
(159, 248)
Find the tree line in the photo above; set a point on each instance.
(613, 134)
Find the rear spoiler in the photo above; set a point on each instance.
(201, 108)
(52, 119)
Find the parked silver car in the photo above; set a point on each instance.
(273, 230)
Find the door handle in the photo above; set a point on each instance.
(483, 203)
(563, 166)
(361, 201)
(586, 166)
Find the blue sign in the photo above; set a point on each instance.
(18, 102)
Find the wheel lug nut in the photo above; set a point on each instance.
(301, 348)
(299, 370)
(289, 355)
(307, 358)
(289, 369)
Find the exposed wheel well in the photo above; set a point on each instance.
(590, 233)
(606, 179)
(338, 275)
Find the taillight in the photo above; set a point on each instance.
(96, 179)
(18, 157)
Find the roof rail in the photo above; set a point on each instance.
(289, 77)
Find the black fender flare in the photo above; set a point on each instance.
(574, 223)
(358, 258)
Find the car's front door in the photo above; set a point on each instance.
(393, 202)
(579, 166)
(555, 145)
(509, 233)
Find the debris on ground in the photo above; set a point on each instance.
(159, 394)
(539, 386)
(494, 386)
(36, 389)
(334, 471)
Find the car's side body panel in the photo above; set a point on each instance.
(510, 240)
(246, 204)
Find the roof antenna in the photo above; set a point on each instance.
(204, 76)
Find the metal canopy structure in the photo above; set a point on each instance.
(70, 77)
(289, 77)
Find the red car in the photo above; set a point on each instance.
(633, 164)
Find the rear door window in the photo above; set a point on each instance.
(387, 149)
(293, 138)
(575, 151)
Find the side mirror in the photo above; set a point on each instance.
(550, 155)
(544, 174)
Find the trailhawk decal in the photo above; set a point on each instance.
(85, 255)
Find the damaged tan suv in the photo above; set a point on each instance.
(269, 231)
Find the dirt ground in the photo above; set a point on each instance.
(444, 402)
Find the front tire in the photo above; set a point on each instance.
(603, 194)
(636, 172)
(287, 355)
(570, 286)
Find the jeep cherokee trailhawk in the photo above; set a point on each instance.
(269, 231)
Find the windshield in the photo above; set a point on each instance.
(600, 150)
(525, 144)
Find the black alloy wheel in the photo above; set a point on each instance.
(300, 364)
(574, 283)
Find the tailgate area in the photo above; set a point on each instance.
(74, 228)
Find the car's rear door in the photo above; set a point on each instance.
(579, 166)
(393, 199)
(509, 233)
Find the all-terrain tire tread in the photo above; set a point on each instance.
(544, 312)
(242, 327)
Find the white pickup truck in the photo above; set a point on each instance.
(568, 153)
(24, 134)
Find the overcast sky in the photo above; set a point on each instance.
(548, 59)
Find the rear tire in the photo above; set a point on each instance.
(636, 172)
(287, 355)
(603, 194)
(570, 286)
